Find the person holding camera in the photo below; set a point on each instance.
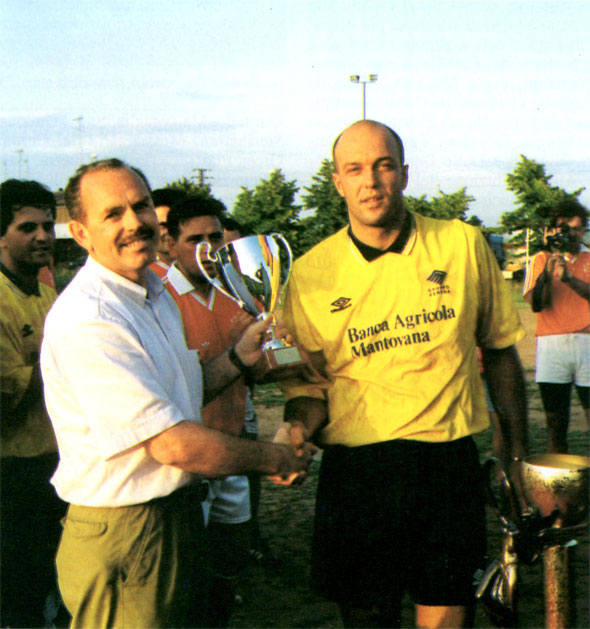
(557, 286)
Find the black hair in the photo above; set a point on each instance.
(18, 193)
(168, 197)
(568, 208)
(193, 207)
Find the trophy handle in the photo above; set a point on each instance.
(213, 280)
(283, 240)
(272, 260)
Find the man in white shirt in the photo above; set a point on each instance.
(124, 395)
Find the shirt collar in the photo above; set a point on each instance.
(178, 280)
(397, 246)
(27, 290)
(134, 291)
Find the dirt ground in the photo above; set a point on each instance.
(276, 594)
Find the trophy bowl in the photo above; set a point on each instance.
(253, 271)
(558, 481)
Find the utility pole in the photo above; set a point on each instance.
(200, 176)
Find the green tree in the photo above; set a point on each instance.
(269, 207)
(535, 197)
(328, 207)
(192, 188)
(444, 206)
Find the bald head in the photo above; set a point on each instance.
(360, 125)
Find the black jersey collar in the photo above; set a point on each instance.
(27, 290)
(397, 246)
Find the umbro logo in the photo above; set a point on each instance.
(438, 277)
(27, 330)
(342, 303)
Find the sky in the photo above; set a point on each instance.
(242, 87)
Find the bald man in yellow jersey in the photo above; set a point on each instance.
(391, 310)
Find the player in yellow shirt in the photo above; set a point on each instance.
(30, 509)
(391, 311)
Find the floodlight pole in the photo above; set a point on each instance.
(355, 78)
(78, 121)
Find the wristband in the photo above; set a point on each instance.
(247, 372)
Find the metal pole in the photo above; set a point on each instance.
(556, 570)
(355, 78)
(78, 120)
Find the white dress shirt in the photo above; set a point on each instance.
(116, 372)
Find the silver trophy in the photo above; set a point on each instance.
(253, 271)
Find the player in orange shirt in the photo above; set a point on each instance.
(558, 288)
(164, 199)
(212, 324)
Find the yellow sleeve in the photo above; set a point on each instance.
(312, 383)
(15, 367)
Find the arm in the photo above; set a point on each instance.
(556, 267)
(542, 296)
(506, 385)
(537, 289)
(21, 386)
(195, 448)
(507, 388)
(579, 286)
(221, 371)
(305, 415)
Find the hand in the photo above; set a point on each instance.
(249, 347)
(294, 467)
(293, 435)
(548, 232)
(515, 475)
(557, 267)
(239, 324)
(281, 332)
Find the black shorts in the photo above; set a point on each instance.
(400, 516)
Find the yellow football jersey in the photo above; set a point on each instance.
(21, 330)
(397, 336)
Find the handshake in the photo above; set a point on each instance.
(295, 437)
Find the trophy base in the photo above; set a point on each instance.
(282, 362)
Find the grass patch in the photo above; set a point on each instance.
(268, 395)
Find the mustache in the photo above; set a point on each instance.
(143, 233)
